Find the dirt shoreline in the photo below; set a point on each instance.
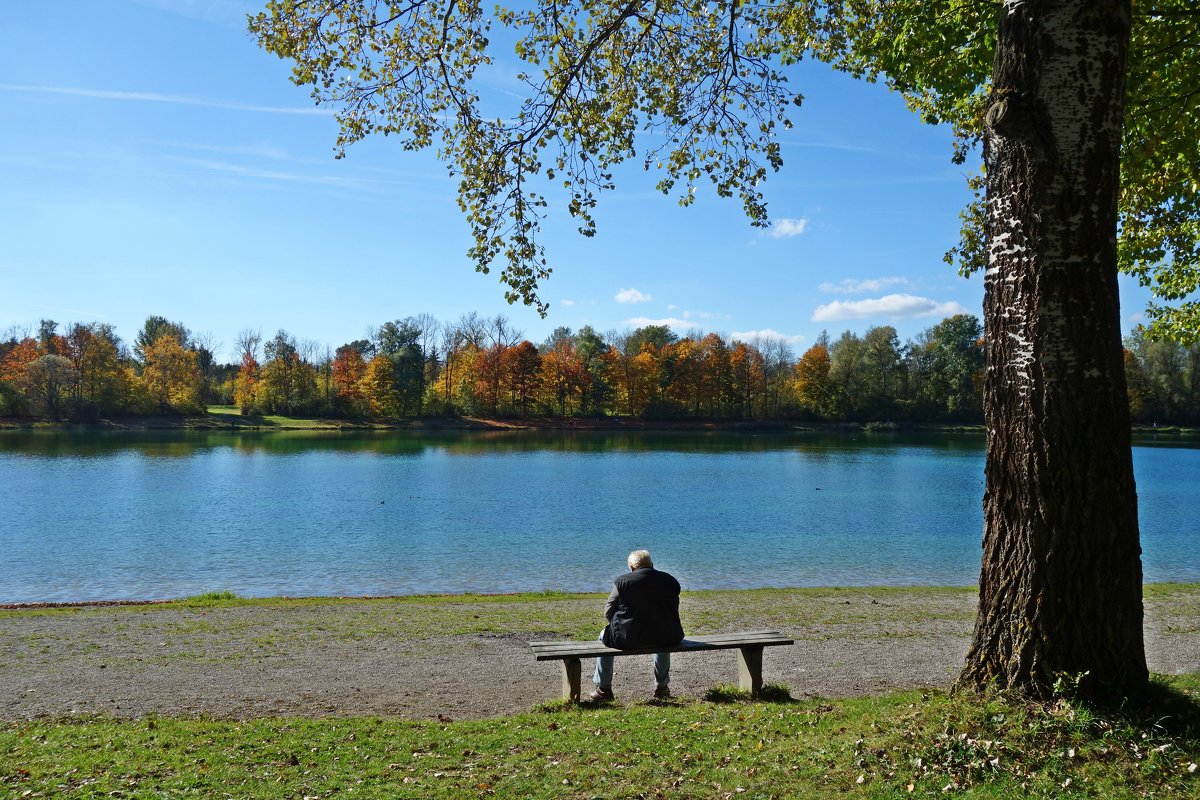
(462, 658)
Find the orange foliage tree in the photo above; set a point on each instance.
(564, 377)
(349, 367)
(813, 388)
(522, 370)
(17, 359)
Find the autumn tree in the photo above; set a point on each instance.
(379, 387)
(153, 329)
(778, 360)
(349, 367)
(489, 376)
(246, 381)
(13, 366)
(681, 378)
(747, 379)
(460, 350)
(47, 382)
(171, 376)
(813, 387)
(716, 375)
(564, 379)
(428, 331)
(522, 367)
(102, 383)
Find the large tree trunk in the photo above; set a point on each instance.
(1060, 588)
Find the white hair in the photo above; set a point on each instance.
(638, 559)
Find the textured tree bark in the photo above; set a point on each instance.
(1061, 582)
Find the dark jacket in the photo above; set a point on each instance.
(643, 611)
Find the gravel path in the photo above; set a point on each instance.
(332, 659)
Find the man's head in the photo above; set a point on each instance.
(638, 559)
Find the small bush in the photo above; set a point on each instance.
(728, 693)
(211, 598)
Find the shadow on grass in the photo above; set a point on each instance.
(1171, 706)
(770, 693)
(721, 693)
(242, 420)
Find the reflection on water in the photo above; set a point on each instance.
(165, 514)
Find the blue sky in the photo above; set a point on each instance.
(155, 161)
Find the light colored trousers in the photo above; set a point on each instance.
(604, 668)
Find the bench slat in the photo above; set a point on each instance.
(554, 651)
(715, 638)
(692, 643)
(599, 649)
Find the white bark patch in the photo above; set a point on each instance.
(1009, 256)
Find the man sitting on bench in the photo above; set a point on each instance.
(642, 612)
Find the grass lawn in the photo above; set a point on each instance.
(908, 744)
(232, 415)
(903, 745)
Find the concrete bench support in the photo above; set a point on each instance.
(750, 669)
(749, 646)
(571, 670)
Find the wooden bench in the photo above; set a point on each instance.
(749, 646)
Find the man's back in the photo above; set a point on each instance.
(647, 611)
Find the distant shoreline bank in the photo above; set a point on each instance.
(218, 422)
(227, 422)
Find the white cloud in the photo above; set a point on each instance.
(787, 228)
(631, 296)
(670, 322)
(892, 305)
(766, 333)
(567, 302)
(854, 286)
(152, 97)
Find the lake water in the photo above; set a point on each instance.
(111, 516)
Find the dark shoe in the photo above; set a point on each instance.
(662, 692)
(602, 695)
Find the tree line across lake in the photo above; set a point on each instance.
(419, 366)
